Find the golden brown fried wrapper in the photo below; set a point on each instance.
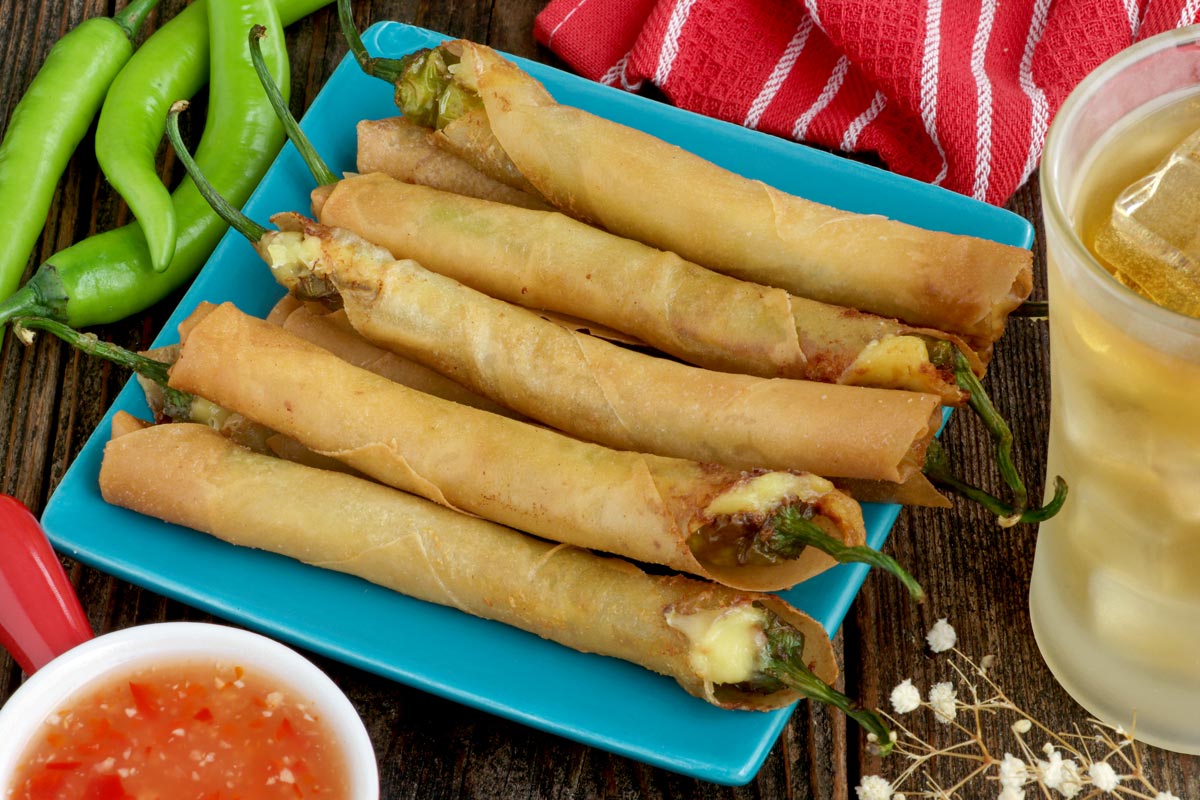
(333, 332)
(408, 152)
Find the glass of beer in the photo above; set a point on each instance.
(1115, 592)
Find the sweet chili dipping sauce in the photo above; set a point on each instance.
(189, 731)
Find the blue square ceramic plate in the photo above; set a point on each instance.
(600, 701)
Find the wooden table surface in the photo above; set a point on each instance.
(976, 574)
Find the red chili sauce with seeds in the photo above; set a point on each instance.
(184, 732)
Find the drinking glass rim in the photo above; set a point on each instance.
(1052, 199)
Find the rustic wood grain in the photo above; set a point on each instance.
(975, 572)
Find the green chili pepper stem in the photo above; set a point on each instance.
(387, 69)
(321, 172)
(787, 532)
(156, 371)
(235, 218)
(43, 295)
(131, 17)
(1001, 433)
(784, 661)
(1048, 510)
(937, 466)
(89, 344)
(938, 470)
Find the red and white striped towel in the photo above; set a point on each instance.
(954, 92)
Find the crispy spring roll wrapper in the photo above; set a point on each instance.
(283, 309)
(408, 152)
(536, 480)
(245, 432)
(333, 332)
(916, 491)
(562, 593)
(124, 422)
(599, 391)
(285, 306)
(638, 186)
(470, 138)
(544, 260)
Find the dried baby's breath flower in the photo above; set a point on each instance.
(1013, 772)
(1072, 782)
(874, 787)
(1070, 765)
(941, 636)
(1058, 773)
(906, 697)
(1103, 776)
(943, 699)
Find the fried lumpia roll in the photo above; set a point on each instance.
(700, 518)
(638, 186)
(549, 261)
(599, 391)
(709, 638)
(407, 152)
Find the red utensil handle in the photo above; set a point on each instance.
(40, 615)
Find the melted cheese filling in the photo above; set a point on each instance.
(892, 361)
(726, 643)
(292, 255)
(764, 493)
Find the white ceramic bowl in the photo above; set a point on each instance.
(125, 651)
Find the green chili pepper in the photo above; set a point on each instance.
(130, 125)
(321, 172)
(48, 124)
(132, 121)
(109, 276)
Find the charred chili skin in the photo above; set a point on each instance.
(49, 122)
(109, 276)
